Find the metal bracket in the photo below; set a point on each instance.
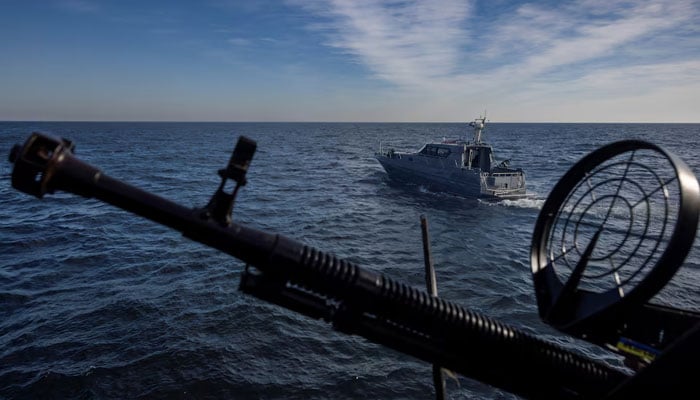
(220, 207)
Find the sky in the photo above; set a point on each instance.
(350, 60)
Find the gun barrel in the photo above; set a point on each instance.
(357, 300)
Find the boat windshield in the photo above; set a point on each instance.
(435, 151)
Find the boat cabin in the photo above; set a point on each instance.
(436, 150)
(458, 166)
(479, 157)
(469, 156)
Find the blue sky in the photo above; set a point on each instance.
(350, 60)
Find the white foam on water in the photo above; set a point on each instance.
(528, 202)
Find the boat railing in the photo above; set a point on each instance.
(506, 193)
(388, 150)
(504, 190)
(518, 173)
(484, 184)
(497, 191)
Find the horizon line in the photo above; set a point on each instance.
(340, 122)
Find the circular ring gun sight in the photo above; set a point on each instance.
(612, 233)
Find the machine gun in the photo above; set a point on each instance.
(580, 237)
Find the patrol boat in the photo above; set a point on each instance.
(458, 166)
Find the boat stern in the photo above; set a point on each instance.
(508, 183)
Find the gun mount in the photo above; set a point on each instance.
(358, 301)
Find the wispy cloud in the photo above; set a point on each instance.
(238, 41)
(577, 34)
(79, 6)
(405, 42)
(638, 78)
(429, 45)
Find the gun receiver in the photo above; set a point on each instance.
(352, 299)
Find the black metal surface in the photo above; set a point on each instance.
(362, 302)
(431, 288)
(34, 161)
(220, 207)
(672, 375)
(612, 233)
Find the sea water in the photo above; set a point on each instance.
(99, 303)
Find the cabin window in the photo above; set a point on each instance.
(429, 150)
(442, 152)
(435, 151)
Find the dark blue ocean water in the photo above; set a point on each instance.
(99, 303)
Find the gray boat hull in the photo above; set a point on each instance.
(457, 166)
(451, 179)
(457, 181)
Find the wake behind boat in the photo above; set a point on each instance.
(457, 166)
